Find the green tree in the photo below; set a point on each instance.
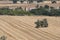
(30, 1)
(53, 2)
(21, 1)
(15, 1)
(37, 6)
(46, 6)
(39, 1)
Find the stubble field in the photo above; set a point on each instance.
(23, 28)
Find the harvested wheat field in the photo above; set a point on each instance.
(23, 28)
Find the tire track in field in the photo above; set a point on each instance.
(33, 31)
(7, 29)
(32, 25)
(55, 27)
(23, 30)
(52, 34)
(48, 33)
(8, 33)
(10, 30)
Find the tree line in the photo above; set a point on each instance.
(30, 1)
(46, 10)
(17, 12)
(40, 10)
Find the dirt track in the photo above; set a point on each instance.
(23, 28)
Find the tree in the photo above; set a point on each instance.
(37, 24)
(39, 1)
(30, 1)
(21, 1)
(41, 23)
(14, 1)
(37, 6)
(51, 8)
(46, 6)
(18, 8)
(53, 2)
(45, 24)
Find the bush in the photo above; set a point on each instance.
(37, 24)
(41, 23)
(45, 24)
